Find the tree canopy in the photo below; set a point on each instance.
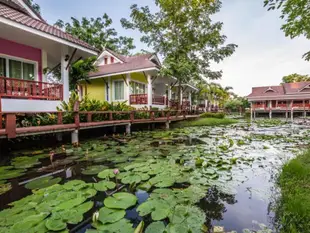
(35, 6)
(184, 34)
(296, 14)
(293, 78)
(99, 33)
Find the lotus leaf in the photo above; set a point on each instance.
(93, 170)
(5, 188)
(88, 192)
(134, 165)
(85, 207)
(70, 204)
(107, 215)
(122, 226)
(104, 185)
(75, 185)
(120, 201)
(131, 179)
(159, 209)
(106, 174)
(156, 227)
(42, 182)
(25, 224)
(186, 218)
(10, 174)
(55, 224)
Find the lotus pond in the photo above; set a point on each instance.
(206, 179)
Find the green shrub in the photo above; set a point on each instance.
(293, 209)
(219, 115)
(206, 122)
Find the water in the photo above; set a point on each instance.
(243, 192)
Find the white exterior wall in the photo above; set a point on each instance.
(160, 88)
(19, 105)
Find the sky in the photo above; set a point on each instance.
(264, 55)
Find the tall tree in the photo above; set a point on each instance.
(98, 33)
(293, 78)
(35, 6)
(184, 34)
(296, 14)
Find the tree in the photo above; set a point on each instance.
(184, 34)
(98, 33)
(34, 6)
(296, 14)
(293, 78)
(79, 71)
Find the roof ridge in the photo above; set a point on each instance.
(57, 31)
(33, 10)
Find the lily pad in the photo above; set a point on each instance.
(159, 209)
(5, 188)
(122, 226)
(156, 227)
(93, 170)
(42, 182)
(120, 201)
(55, 224)
(24, 225)
(108, 173)
(107, 215)
(104, 185)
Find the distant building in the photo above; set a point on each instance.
(286, 98)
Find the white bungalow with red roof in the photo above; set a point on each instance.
(286, 98)
(28, 45)
(134, 79)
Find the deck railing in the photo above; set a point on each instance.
(26, 89)
(68, 121)
(138, 99)
(159, 100)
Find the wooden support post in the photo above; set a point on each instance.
(10, 125)
(152, 115)
(168, 116)
(292, 114)
(75, 137)
(132, 116)
(77, 120)
(111, 116)
(1, 122)
(89, 117)
(128, 129)
(59, 118)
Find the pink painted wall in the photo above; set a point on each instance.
(22, 51)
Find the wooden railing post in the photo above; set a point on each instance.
(132, 116)
(111, 116)
(152, 114)
(77, 114)
(59, 118)
(10, 125)
(168, 116)
(89, 117)
(1, 122)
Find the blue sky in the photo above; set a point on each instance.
(264, 54)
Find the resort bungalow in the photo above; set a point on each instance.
(134, 79)
(28, 45)
(288, 98)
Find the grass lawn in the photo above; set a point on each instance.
(294, 206)
(207, 122)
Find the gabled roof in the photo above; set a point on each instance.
(33, 10)
(293, 88)
(265, 91)
(12, 11)
(130, 63)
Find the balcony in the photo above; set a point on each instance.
(26, 89)
(137, 99)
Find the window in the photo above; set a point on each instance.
(17, 69)
(105, 60)
(137, 88)
(118, 90)
(112, 60)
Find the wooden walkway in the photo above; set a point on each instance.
(11, 129)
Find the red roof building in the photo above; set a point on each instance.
(28, 47)
(288, 97)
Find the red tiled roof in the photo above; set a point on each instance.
(267, 91)
(130, 63)
(34, 11)
(291, 88)
(18, 16)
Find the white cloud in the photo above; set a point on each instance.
(264, 55)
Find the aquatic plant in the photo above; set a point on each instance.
(43, 182)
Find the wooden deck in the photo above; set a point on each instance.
(11, 130)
